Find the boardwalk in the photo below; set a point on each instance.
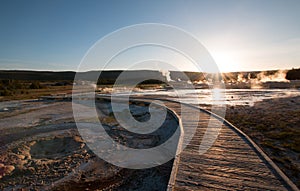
(233, 162)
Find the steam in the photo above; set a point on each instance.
(256, 80)
(279, 76)
(263, 77)
(166, 73)
(241, 78)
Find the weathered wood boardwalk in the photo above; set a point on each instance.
(232, 163)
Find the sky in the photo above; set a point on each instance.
(239, 35)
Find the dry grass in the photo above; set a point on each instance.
(22, 94)
(274, 126)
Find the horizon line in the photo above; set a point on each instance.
(37, 70)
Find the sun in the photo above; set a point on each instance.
(226, 61)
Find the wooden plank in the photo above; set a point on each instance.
(230, 164)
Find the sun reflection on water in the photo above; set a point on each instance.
(218, 96)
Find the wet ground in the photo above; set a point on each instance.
(41, 149)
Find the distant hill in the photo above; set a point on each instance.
(293, 74)
(109, 77)
(35, 75)
(106, 77)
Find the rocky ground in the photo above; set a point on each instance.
(41, 149)
(274, 124)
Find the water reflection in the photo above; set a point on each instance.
(217, 96)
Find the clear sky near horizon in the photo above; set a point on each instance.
(240, 35)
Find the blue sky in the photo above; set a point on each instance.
(240, 35)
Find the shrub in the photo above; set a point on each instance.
(6, 92)
(35, 85)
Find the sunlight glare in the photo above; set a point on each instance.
(226, 61)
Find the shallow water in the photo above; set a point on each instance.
(197, 96)
(222, 96)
